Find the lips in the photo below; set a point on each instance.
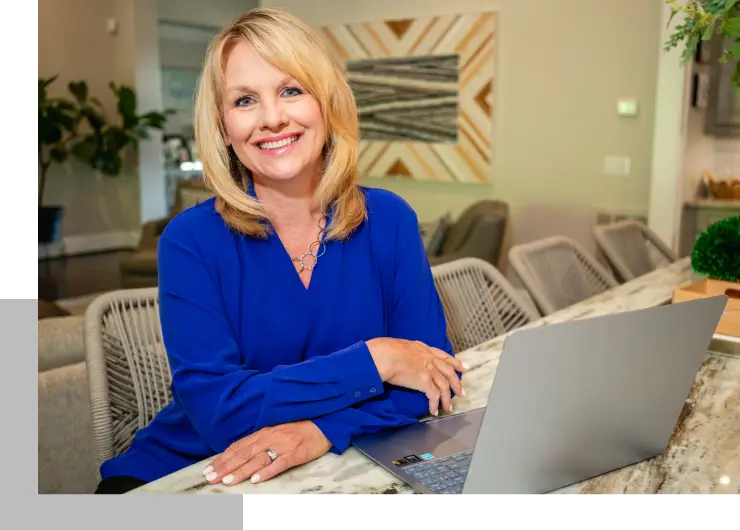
(278, 142)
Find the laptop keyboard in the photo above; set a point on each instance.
(443, 475)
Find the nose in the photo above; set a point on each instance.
(273, 116)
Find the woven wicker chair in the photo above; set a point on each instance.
(558, 272)
(128, 371)
(632, 249)
(479, 303)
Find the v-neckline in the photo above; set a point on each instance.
(285, 255)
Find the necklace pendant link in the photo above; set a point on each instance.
(320, 249)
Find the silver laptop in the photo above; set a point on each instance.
(568, 402)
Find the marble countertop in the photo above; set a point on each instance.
(703, 455)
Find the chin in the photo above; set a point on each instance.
(282, 170)
(280, 176)
(285, 167)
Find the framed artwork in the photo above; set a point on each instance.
(424, 90)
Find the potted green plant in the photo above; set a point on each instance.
(79, 127)
(716, 255)
(703, 20)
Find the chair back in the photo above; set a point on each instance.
(632, 249)
(558, 272)
(127, 367)
(479, 303)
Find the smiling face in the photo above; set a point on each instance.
(273, 124)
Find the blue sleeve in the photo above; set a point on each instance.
(224, 400)
(417, 314)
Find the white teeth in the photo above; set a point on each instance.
(279, 143)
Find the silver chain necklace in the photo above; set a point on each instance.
(318, 245)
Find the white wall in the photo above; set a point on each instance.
(669, 138)
(143, 51)
(561, 66)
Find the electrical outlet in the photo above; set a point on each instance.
(617, 166)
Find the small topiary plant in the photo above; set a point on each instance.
(716, 253)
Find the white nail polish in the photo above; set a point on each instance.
(211, 476)
(208, 470)
(466, 366)
(255, 479)
(436, 412)
(463, 393)
(228, 479)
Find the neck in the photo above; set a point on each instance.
(289, 202)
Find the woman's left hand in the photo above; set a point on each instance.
(293, 443)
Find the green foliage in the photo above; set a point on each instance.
(705, 19)
(79, 127)
(716, 253)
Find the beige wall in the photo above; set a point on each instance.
(561, 67)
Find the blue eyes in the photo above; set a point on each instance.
(290, 92)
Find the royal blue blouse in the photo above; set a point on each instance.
(249, 346)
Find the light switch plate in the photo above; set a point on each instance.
(617, 166)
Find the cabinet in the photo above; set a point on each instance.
(698, 216)
(723, 111)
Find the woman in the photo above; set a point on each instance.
(298, 309)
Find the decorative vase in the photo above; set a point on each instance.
(50, 223)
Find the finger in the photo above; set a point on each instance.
(228, 462)
(255, 465)
(451, 376)
(279, 465)
(431, 391)
(218, 461)
(456, 363)
(444, 390)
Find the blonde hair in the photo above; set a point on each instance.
(290, 46)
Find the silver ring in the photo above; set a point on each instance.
(272, 454)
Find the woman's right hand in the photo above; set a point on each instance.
(414, 365)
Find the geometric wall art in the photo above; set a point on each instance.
(424, 89)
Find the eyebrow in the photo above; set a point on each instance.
(246, 88)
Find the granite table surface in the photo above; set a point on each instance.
(703, 455)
